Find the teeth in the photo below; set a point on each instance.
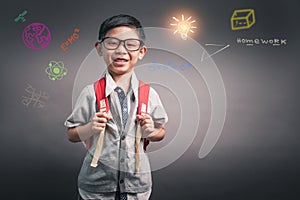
(120, 60)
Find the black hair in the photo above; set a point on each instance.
(121, 20)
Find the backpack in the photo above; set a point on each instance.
(103, 105)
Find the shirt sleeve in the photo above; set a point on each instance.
(156, 109)
(84, 108)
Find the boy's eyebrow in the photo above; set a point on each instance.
(120, 39)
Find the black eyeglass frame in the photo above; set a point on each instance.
(122, 41)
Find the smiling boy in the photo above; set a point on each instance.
(121, 44)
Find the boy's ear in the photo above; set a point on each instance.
(143, 52)
(98, 47)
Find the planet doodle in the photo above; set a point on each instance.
(36, 36)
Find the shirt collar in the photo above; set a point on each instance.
(134, 84)
(111, 84)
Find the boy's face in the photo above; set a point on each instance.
(120, 60)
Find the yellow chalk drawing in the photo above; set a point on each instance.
(242, 19)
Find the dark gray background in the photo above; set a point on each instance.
(257, 155)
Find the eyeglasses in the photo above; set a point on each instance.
(112, 43)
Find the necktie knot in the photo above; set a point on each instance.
(123, 103)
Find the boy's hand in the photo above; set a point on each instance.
(99, 121)
(146, 123)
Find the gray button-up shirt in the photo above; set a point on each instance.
(116, 167)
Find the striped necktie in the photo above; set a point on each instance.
(123, 102)
(124, 109)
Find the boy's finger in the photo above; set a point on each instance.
(140, 118)
(146, 116)
(109, 116)
(103, 114)
(97, 129)
(102, 120)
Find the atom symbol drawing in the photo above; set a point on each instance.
(56, 70)
(36, 36)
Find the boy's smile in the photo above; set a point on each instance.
(118, 58)
(120, 61)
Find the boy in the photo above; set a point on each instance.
(121, 44)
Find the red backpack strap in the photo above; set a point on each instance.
(144, 90)
(99, 87)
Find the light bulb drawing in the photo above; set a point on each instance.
(183, 26)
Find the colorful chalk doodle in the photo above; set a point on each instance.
(56, 70)
(158, 66)
(36, 36)
(21, 16)
(35, 98)
(71, 39)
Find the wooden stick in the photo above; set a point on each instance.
(98, 149)
(137, 143)
(138, 137)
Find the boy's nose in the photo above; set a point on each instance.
(121, 48)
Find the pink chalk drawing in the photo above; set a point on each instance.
(36, 36)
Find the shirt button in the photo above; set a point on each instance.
(123, 137)
(122, 181)
(122, 160)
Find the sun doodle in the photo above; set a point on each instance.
(184, 26)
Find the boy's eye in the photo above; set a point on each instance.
(132, 43)
(112, 43)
